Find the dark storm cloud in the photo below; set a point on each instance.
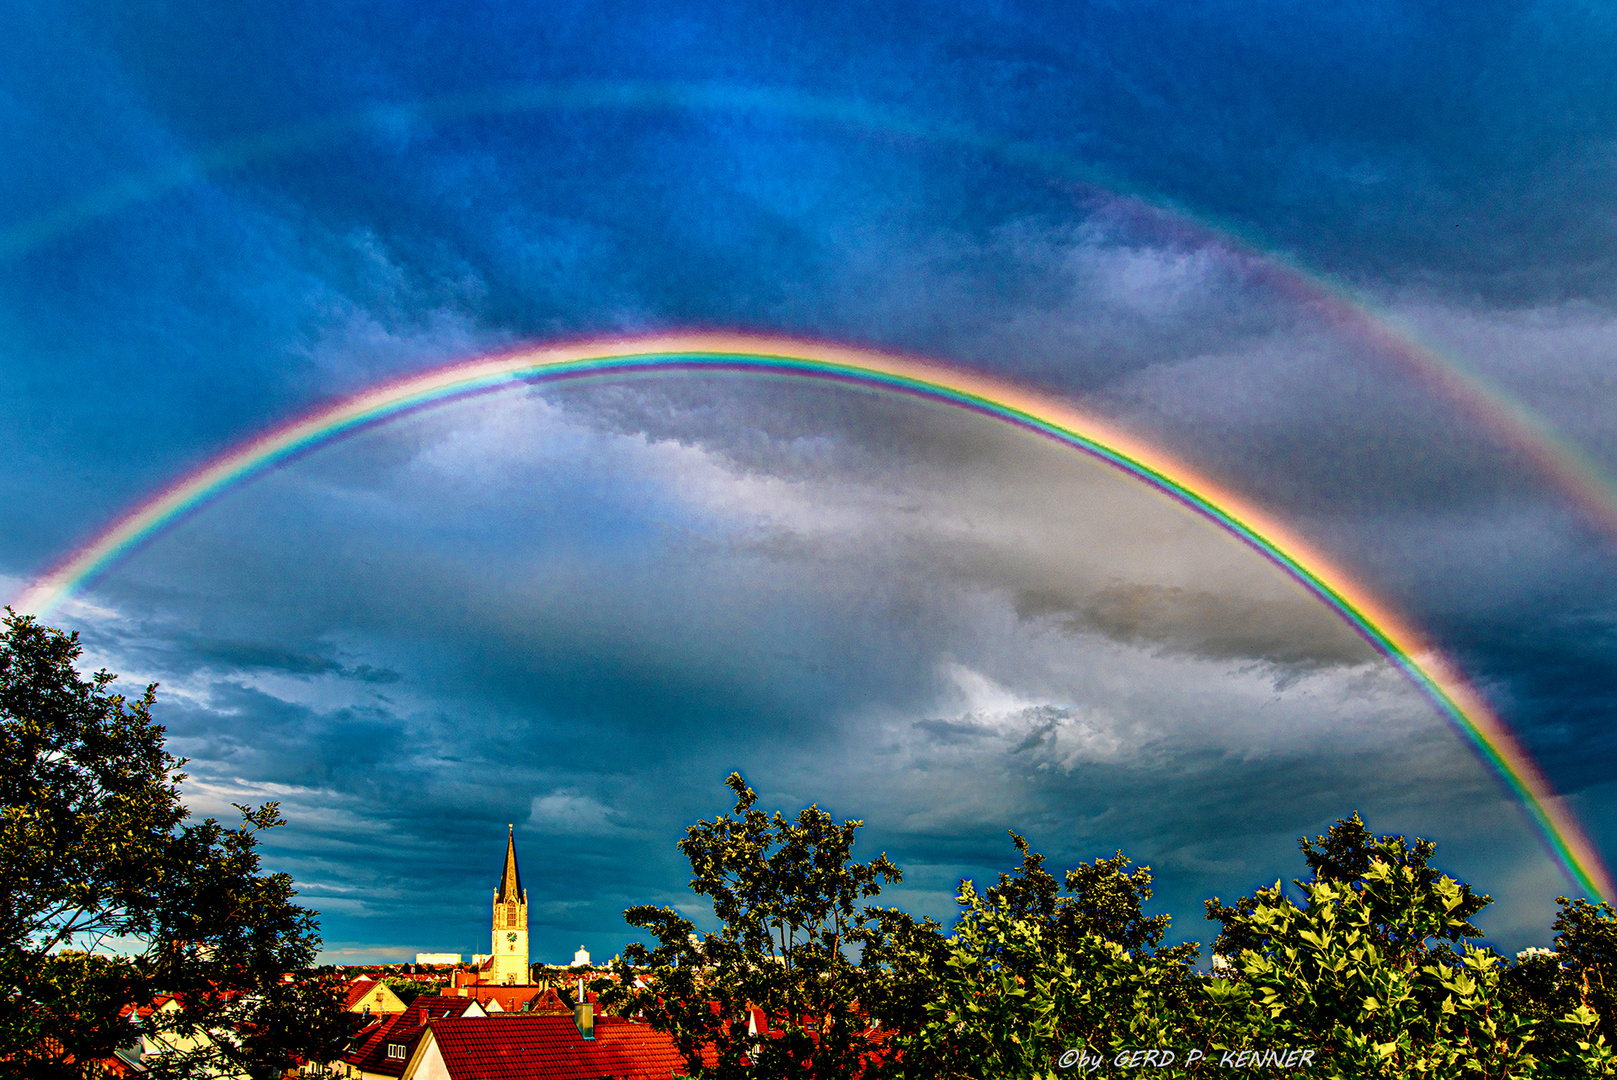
(951, 732)
(251, 655)
(1200, 623)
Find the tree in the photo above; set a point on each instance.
(1580, 972)
(1031, 974)
(407, 990)
(114, 897)
(1373, 976)
(903, 960)
(787, 897)
(1107, 901)
(1020, 999)
(1375, 973)
(1343, 856)
(1586, 946)
(1326, 981)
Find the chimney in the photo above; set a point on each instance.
(584, 1014)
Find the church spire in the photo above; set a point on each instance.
(511, 880)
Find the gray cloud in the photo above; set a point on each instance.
(1200, 623)
(249, 654)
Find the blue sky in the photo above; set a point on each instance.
(575, 610)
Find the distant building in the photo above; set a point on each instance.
(437, 959)
(368, 996)
(503, 981)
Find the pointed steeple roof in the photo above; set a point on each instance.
(511, 880)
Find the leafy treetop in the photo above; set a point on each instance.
(787, 895)
(1344, 856)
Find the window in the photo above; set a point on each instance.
(395, 1051)
(510, 914)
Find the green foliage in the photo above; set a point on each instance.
(1329, 981)
(787, 895)
(901, 961)
(113, 895)
(1344, 856)
(407, 990)
(1017, 992)
(1586, 945)
(1107, 901)
(1372, 975)
(1368, 974)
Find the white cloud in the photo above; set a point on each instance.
(982, 696)
(569, 811)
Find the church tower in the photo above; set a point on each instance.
(510, 949)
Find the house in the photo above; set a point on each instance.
(550, 1003)
(368, 996)
(495, 998)
(381, 1050)
(530, 1047)
(143, 1051)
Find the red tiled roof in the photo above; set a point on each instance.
(371, 1038)
(550, 1048)
(357, 991)
(143, 1011)
(512, 998)
(404, 1028)
(549, 1004)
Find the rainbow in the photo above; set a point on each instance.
(1036, 413)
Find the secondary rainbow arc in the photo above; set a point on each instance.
(1585, 482)
(1389, 636)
